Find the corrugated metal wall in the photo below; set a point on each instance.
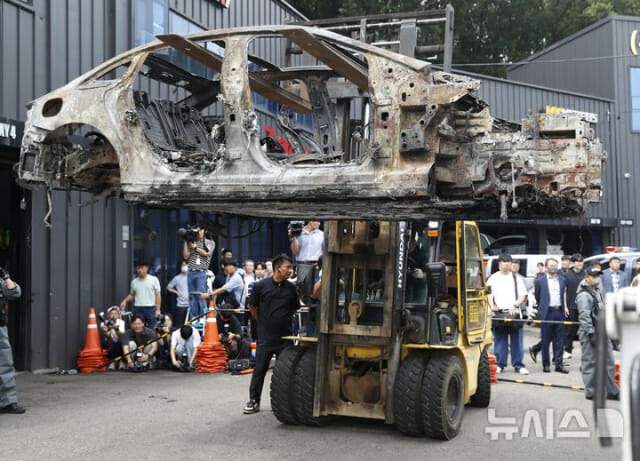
(514, 100)
(80, 261)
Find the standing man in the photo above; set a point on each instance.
(589, 301)
(565, 264)
(574, 278)
(308, 248)
(612, 280)
(551, 296)
(9, 290)
(145, 294)
(273, 302)
(198, 254)
(179, 286)
(508, 293)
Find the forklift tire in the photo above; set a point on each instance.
(407, 390)
(482, 397)
(442, 399)
(282, 384)
(303, 387)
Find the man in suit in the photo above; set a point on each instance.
(612, 280)
(551, 296)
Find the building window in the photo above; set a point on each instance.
(634, 76)
(150, 18)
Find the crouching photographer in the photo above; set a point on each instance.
(184, 345)
(231, 337)
(113, 329)
(139, 335)
(164, 329)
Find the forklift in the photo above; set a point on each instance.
(403, 330)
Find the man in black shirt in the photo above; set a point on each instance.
(231, 337)
(574, 276)
(273, 302)
(136, 336)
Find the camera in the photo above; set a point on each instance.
(160, 324)
(137, 364)
(296, 228)
(190, 234)
(184, 363)
(107, 322)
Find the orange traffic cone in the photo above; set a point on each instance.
(616, 376)
(211, 356)
(92, 357)
(493, 369)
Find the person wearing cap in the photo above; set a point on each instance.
(145, 294)
(574, 276)
(233, 285)
(589, 301)
(273, 302)
(508, 294)
(551, 296)
(113, 329)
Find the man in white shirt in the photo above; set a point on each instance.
(308, 248)
(508, 293)
(184, 345)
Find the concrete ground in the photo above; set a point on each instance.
(163, 415)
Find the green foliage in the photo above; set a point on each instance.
(487, 31)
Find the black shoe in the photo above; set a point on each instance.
(613, 397)
(13, 408)
(562, 370)
(589, 397)
(251, 407)
(546, 369)
(533, 353)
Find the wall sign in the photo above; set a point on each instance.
(634, 42)
(11, 132)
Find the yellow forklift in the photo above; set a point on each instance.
(402, 330)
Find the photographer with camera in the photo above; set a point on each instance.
(197, 250)
(113, 329)
(230, 331)
(184, 345)
(163, 356)
(307, 245)
(145, 294)
(136, 336)
(9, 291)
(233, 286)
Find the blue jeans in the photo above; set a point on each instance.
(197, 284)
(149, 314)
(501, 341)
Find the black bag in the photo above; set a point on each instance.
(239, 365)
(508, 326)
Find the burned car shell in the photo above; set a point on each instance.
(433, 150)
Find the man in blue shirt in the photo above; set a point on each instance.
(145, 294)
(233, 285)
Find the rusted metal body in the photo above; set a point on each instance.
(426, 147)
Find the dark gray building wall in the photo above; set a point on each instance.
(512, 101)
(81, 261)
(574, 64)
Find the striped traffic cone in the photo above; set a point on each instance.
(493, 369)
(92, 357)
(211, 356)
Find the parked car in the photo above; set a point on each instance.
(512, 244)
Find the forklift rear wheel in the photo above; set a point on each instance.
(282, 384)
(482, 397)
(303, 389)
(407, 395)
(442, 398)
